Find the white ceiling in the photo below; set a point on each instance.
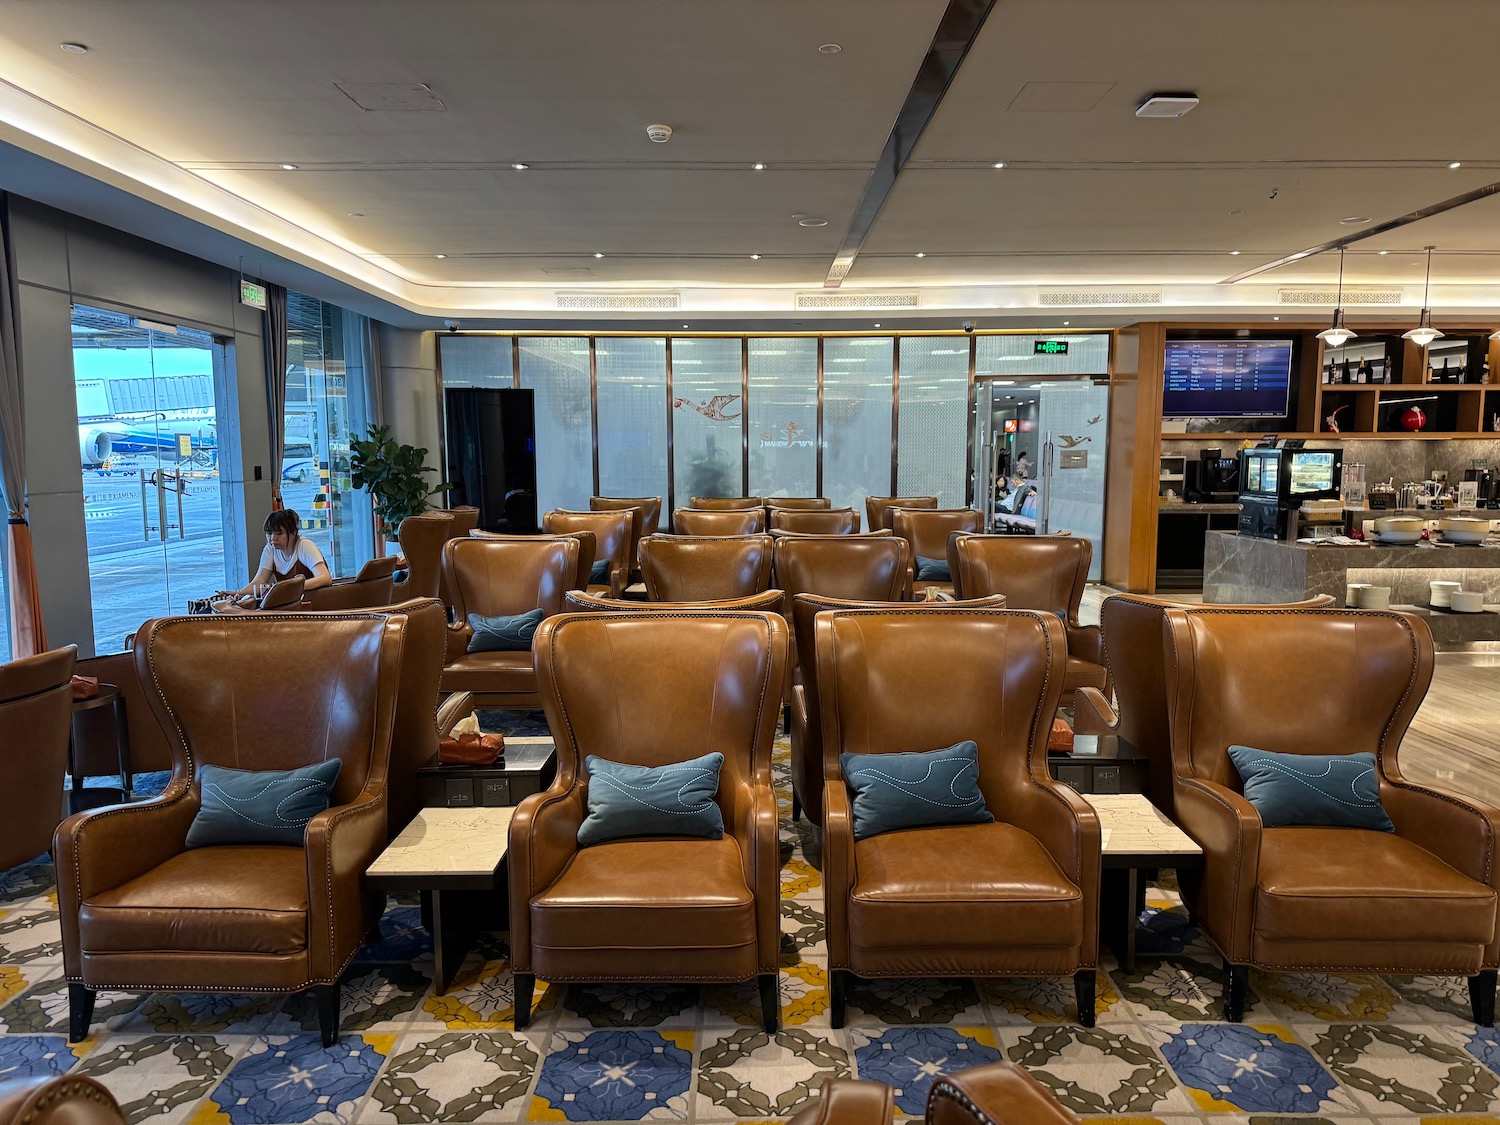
(1311, 112)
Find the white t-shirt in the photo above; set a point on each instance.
(306, 552)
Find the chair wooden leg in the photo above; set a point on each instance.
(770, 1001)
(328, 997)
(838, 996)
(524, 985)
(796, 804)
(81, 1012)
(1084, 984)
(1239, 985)
(1482, 998)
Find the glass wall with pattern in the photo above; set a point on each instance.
(857, 377)
(557, 369)
(632, 378)
(707, 418)
(783, 410)
(933, 423)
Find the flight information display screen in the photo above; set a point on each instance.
(1227, 378)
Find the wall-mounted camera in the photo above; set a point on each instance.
(969, 327)
(452, 325)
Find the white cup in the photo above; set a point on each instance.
(1375, 597)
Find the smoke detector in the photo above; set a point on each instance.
(661, 134)
(1167, 105)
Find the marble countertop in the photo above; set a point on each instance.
(1132, 825)
(1486, 555)
(1184, 508)
(447, 842)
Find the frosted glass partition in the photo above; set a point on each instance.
(1075, 415)
(932, 445)
(557, 368)
(477, 361)
(707, 415)
(784, 417)
(857, 376)
(1087, 354)
(632, 380)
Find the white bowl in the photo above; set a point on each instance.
(1442, 592)
(1374, 597)
(1398, 538)
(1467, 601)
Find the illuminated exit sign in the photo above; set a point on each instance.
(252, 294)
(1050, 347)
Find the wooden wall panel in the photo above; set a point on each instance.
(1134, 458)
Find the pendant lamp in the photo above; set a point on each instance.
(1424, 333)
(1336, 335)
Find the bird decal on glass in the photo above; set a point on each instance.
(714, 409)
(1069, 441)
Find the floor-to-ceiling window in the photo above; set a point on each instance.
(632, 379)
(783, 410)
(477, 361)
(857, 375)
(557, 369)
(932, 427)
(707, 418)
(4, 608)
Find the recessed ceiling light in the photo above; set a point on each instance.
(877, 324)
(1241, 211)
(1234, 253)
(829, 49)
(755, 257)
(1066, 323)
(998, 164)
(288, 167)
(74, 48)
(1456, 164)
(597, 255)
(356, 214)
(684, 325)
(1354, 220)
(921, 254)
(440, 255)
(758, 167)
(812, 222)
(520, 167)
(1383, 253)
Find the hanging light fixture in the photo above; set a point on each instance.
(1424, 333)
(1336, 335)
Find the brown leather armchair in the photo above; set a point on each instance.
(799, 503)
(1016, 897)
(649, 690)
(140, 911)
(825, 521)
(374, 585)
(719, 521)
(611, 531)
(1042, 572)
(725, 503)
(644, 520)
(502, 575)
(65, 1100)
(422, 538)
(465, 521)
(769, 601)
(927, 530)
(1418, 900)
(878, 508)
(995, 1094)
(681, 568)
(36, 711)
(1132, 627)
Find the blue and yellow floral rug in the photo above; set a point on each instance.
(1312, 1048)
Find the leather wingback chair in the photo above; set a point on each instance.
(374, 585)
(587, 545)
(611, 543)
(465, 521)
(503, 575)
(286, 594)
(680, 568)
(1042, 572)
(1132, 627)
(422, 538)
(1421, 899)
(645, 520)
(825, 521)
(725, 503)
(36, 711)
(927, 530)
(769, 601)
(878, 508)
(719, 521)
(69, 1099)
(649, 690)
(1016, 897)
(799, 503)
(140, 911)
(998, 1093)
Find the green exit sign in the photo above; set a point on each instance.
(252, 294)
(1051, 347)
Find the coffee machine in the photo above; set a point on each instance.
(1489, 486)
(1212, 479)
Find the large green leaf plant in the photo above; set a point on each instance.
(393, 475)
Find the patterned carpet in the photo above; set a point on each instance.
(1313, 1048)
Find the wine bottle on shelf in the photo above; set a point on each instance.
(1345, 376)
(1363, 374)
(1447, 369)
(1328, 373)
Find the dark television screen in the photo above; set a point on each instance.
(1227, 379)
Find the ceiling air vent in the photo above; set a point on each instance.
(857, 301)
(1062, 297)
(1331, 296)
(617, 301)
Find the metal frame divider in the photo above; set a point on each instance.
(594, 406)
(818, 477)
(671, 496)
(969, 425)
(744, 415)
(895, 410)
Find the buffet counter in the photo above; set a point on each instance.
(1241, 569)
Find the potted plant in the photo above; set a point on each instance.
(393, 475)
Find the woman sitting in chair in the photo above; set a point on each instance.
(288, 555)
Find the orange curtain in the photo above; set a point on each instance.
(28, 633)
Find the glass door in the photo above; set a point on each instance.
(148, 443)
(1072, 421)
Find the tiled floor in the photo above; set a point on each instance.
(1332, 1048)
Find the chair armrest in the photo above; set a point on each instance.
(543, 837)
(839, 873)
(911, 576)
(341, 843)
(1227, 828)
(456, 642)
(1092, 713)
(1000, 1093)
(1085, 642)
(1460, 831)
(345, 593)
(753, 824)
(850, 1101)
(73, 1099)
(459, 705)
(619, 578)
(1068, 827)
(105, 848)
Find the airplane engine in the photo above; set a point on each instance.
(95, 445)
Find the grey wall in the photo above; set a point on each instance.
(60, 260)
(408, 387)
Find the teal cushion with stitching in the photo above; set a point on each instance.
(599, 573)
(933, 570)
(915, 790)
(504, 634)
(671, 800)
(1312, 790)
(259, 806)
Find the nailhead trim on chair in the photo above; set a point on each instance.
(941, 1089)
(69, 1088)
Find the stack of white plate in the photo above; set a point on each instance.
(1442, 593)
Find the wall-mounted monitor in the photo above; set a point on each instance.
(1239, 378)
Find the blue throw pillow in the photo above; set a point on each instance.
(504, 634)
(599, 573)
(259, 806)
(933, 570)
(1312, 790)
(915, 790)
(674, 800)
